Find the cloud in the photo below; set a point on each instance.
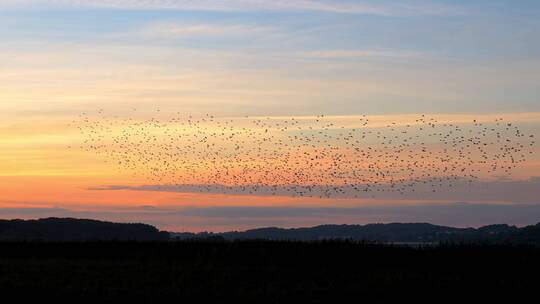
(447, 212)
(32, 211)
(370, 7)
(332, 54)
(500, 190)
(198, 30)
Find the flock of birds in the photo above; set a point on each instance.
(315, 156)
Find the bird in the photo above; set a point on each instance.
(310, 156)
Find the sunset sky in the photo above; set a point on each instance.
(457, 61)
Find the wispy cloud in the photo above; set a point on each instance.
(341, 6)
(195, 30)
(500, 190)
(333, 54)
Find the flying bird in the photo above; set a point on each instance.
(316, 156)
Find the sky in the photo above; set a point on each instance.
(392, 60)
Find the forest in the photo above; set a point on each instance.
(85, 260)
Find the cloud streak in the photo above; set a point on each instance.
(340, 7)
(511, 191)
(199, 30)
(355, 54)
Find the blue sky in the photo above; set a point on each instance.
(469, 56)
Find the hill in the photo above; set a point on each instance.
(386, 233)
(70, 229)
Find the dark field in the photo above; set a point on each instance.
(265, 271)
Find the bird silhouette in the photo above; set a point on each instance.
(317, 156)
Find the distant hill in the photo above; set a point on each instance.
(388, 233)
(69, 229)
